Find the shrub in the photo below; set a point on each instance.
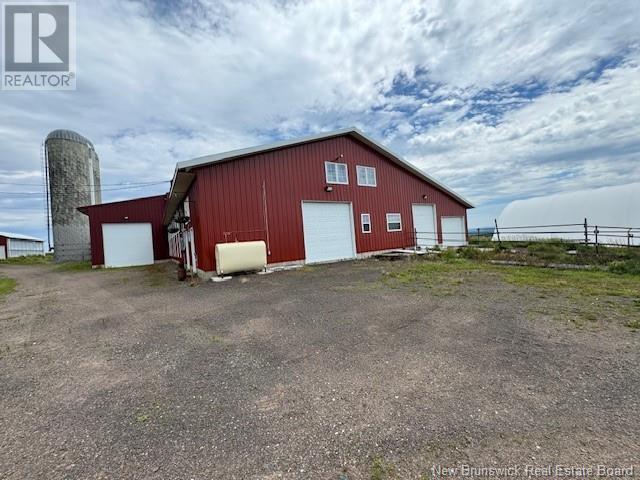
(449, 254)
(555, 251)
(471, 253)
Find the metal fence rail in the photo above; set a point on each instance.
(582, 233)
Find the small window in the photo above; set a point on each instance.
(366, 176)
(365, 220)
(336, 173)
(394, 222)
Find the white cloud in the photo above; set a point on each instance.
(158, 84)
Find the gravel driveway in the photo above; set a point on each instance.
(324, 372)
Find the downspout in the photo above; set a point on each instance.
(194, 257)
(266, 217)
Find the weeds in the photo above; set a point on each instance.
(28, 260)
(142, 418)
(73, 266)
(634, 324)
(381, 470)
(578, 297)
(625, 267)
(7, 285)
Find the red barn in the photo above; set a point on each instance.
(333, 196)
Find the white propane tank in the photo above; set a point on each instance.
(240, 257)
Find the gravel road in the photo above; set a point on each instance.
(324, 372)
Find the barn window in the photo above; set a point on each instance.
(366, 176)
(394, 222)
(365, 220)
(336, 173)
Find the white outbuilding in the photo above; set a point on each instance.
(615, 211)
(16, 245)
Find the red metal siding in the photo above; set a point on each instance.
(227, 197)
(139, 210)
(3, 241)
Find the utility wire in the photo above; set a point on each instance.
(85, 185)
(72, 193)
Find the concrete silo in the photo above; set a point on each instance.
(74, 180)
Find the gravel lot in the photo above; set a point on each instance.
(324, 372)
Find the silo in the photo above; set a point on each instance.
(74, 180)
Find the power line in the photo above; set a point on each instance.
(85, 185)
(72, 193)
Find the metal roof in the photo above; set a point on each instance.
(176, 195)
(69, 135)
(86, 208)
(18, 236)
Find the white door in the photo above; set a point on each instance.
(453, 232)
(3, 253)
(328, 231)
(424, 223)
(127, 244)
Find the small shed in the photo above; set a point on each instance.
(127, 233)
(16, 245)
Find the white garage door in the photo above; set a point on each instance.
(328, 231)
(127, 244)
(453, 233)
(424, 223)
(3, 253)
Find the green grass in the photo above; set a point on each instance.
(625, 267)
(381, 470)
(29, 260)
(7, 285)
(142, 418)
(579, 297)
(73, 266)
(586, 282)
(555, 251)
(431, 273)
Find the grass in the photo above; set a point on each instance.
(586, 282)
(7, 285)
(29, 260)
(555, 251)
(73, 266)
(381, 470)
(579, 297)
(436, 273)
(157, 275)
(625, 267)
(142, 418)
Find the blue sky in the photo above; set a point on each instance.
(500, 100)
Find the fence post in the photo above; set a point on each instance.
(596, 234)
(415, 240)
(629, 235)
(478, 230)
(586, 233)
(495, 221)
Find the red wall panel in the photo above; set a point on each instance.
(139, 210)
(227, 197)
(3, 241)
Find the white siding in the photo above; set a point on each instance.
(23, 248)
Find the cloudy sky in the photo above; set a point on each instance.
(499, 100)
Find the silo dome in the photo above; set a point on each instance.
(74, 181)
(69, 135)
